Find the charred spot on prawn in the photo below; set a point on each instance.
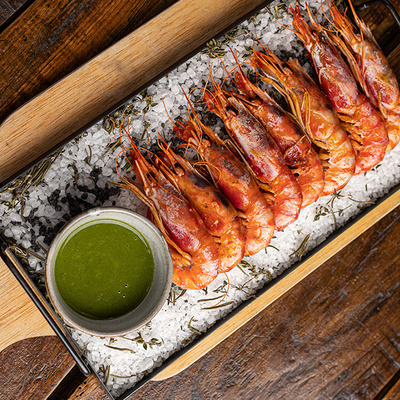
(232, 109)
(199, 182)
(224, 201)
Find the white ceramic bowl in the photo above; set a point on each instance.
(156, 296)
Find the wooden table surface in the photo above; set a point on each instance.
(336, 335)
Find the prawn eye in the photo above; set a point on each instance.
(230, 108)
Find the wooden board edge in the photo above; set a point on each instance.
(280, 288)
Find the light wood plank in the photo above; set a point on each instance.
(19, 317)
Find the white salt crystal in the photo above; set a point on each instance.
(15, 217)
(27, 210)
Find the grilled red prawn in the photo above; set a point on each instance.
(359, 117)
(320, 121)
(262, 155)
(193, 250)
(292, 141)
(233, 178)
(371, 69)
(217, 212)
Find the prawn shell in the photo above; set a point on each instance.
(233, 178)
(313, 109)
(262, 155)
(292, 141)
(217, 212)
(364, 123)
(370, 68)
(193, 250)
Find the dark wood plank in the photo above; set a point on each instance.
(381, 23)
(9, 8)
(53, 38)
(333, 336)
(89, 389)
(32, 368)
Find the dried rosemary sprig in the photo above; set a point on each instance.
(173, 296)
(302, 248)
(280, 10)
(88, 159)
(76, 173)
(228, 303)
(23, 253)
(106, 373)
(19, 188)
(253, 271)
(222, 288)
(119, 118)
(195, 333)
(139, 339)
(361, 204)
(193, 329)
(214, 298)
(214, 48)
(272, 247)
(328, 208)
(119, 348)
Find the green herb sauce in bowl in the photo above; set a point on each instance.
(104, 269)
(108, 271)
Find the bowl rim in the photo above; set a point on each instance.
(65, 231)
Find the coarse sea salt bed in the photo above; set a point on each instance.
(79, 179)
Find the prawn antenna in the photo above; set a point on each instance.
(323, 12)
(283, 25)
(165, 108)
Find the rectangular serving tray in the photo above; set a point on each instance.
(118, 74)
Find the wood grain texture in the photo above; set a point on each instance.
(19, 317)
(52, 39)
(32, 368)
(89, 389)
(8, 9)
(335, 335)
(381, 23)
(82, 96)
(263, 355)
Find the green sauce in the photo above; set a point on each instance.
(104, 269)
